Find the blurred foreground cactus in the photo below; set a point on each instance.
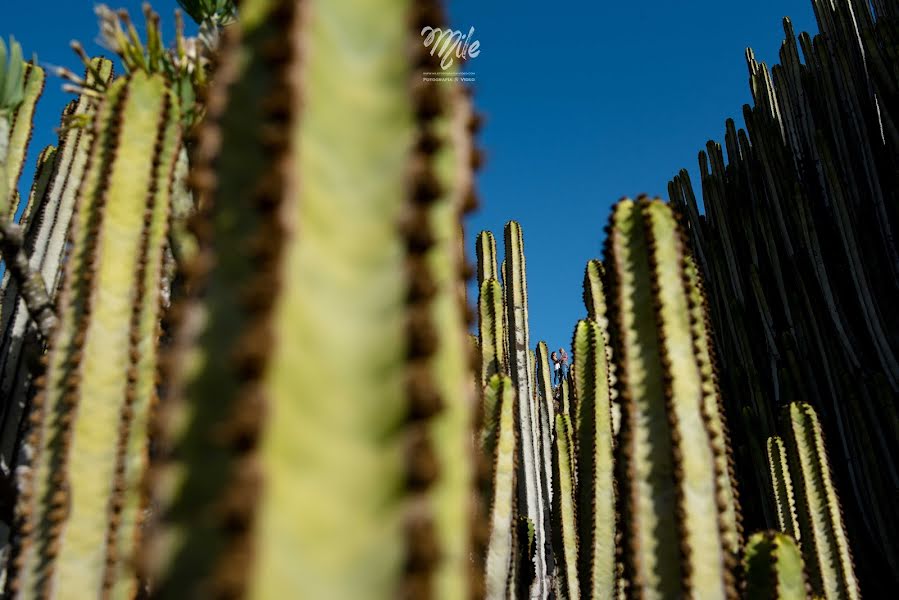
(236, 358)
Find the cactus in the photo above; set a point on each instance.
(500, 394)
(667, 449)
(20, 133)
(109, 309)
(798, 250)
(291, 283)
(773, 568)
(531, 501)
(822, 534)
(782, 487)
(596, 484)
(564, 525)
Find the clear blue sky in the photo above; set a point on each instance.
(585, 102)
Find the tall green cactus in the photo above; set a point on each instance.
(564, 523)
(596, 484)
(20, 134)
(822, 532)
(500, 446)
(667, 451)
(81, 506)
(773, 568)
(491, 329)
(389, 388)
(531, 501)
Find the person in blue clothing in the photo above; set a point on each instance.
(563, 364)
(557, 368)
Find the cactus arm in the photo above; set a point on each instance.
(596, 485)
(20, 134)
(782, 484)
(500, 392)
(564, 527)
(824, 542)
(773, 567)
(109, 314)
(530, 496)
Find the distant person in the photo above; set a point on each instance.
(557, 368)
(563, 363)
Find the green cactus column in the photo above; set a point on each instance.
(20, 134)
(49, 220)
(501, 488)
(531, 502)
(81, 505)
(822, 531)
(595, 465)
(782, 488)
(773, 567)
(564, 513)
(332, 353)
(674, 523)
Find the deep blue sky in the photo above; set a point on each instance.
(586, 101)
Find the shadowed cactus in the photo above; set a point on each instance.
(773, 568)
(822, 533)
(782, 487)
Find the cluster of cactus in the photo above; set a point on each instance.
(236, 360)
(620, 481)
(798, 247)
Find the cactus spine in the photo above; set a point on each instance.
(773, 567)
(822, 532)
